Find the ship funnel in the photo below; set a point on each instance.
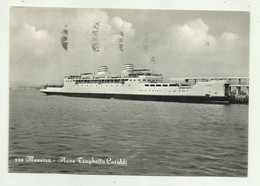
(102, 71)
(127, 68)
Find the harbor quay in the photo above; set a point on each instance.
(238, 86)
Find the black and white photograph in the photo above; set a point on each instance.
(145, 92)
(129, 92)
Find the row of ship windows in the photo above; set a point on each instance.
(146, 90)
(152, 80)
(183, 90)
(108, 81)
(100, 85)
(147, 85)
(98, 81)
(161, 85)
(101, 81)
(161, 91)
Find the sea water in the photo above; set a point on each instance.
(58, 134)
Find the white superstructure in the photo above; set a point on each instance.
(137, 84)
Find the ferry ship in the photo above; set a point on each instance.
(139, 84)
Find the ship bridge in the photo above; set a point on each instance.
(129, 71)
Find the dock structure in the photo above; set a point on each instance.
(230, 80)
(241, 93)
(238, 86)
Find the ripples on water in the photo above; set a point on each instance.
(156, 138)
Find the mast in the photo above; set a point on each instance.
(152, 65)
(79, 68)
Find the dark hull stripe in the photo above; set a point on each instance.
(185, 99)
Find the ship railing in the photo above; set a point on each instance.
(230, 80)
(52, 86)
(73, 77)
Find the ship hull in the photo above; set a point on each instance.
(165, 98)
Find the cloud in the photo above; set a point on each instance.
(119, 24)
(180, 47)
(80, 26)
(228, 41)
(31, 42)
(193, 37)
(31, 30)
(30, 39)
(185, 47)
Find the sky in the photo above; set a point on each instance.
(183, 43)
